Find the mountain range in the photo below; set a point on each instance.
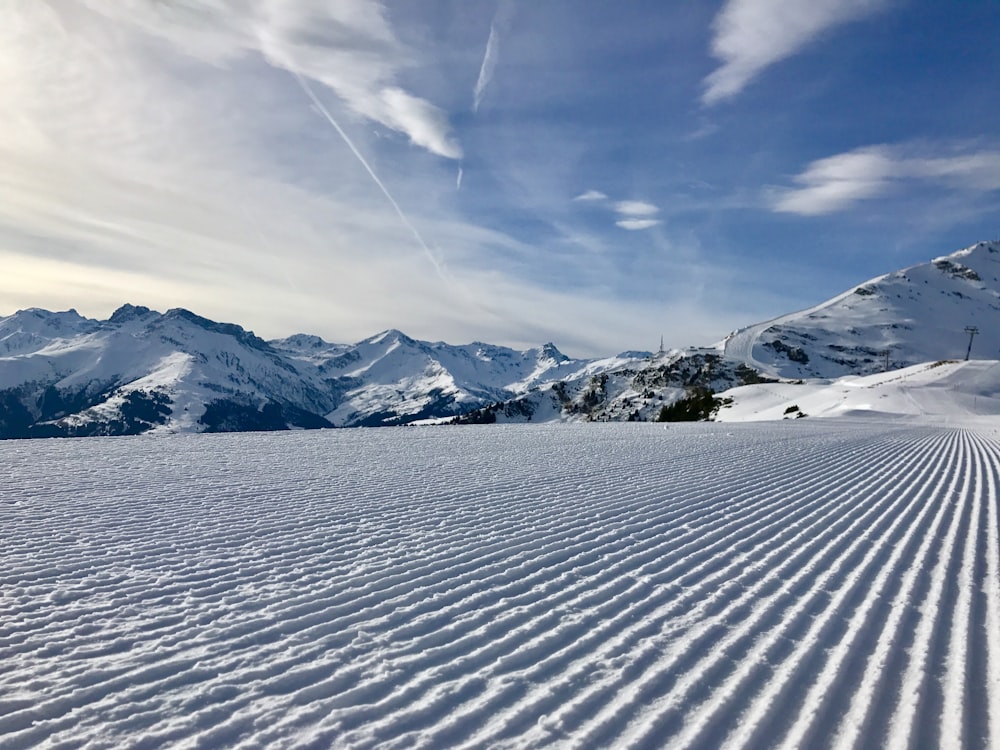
(62, 374)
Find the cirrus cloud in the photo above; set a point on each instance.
(633, 215)
(349, 46)
(751, 35)
(837, 182)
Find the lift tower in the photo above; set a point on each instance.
(972, 331)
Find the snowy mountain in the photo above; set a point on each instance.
(62, 374)
(139, 371)
(918, 314)
(391, 378)
(635, 391)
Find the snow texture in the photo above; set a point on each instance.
(829, 583)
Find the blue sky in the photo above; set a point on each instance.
(591, 173)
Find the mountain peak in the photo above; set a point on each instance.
(549, 350)
(129, 312)
(979, 249)
(303, 341)
(46, 323)
(242, 335)
(37, 312)
(388, 335)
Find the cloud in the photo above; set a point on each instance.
(591, 195)
(134, 170)
(636, 215)
(375, 178)
(636, 208)
(633, 215)
(349, 46)
(140, 171)
(837, 182)
(751, 35)
(637, 224)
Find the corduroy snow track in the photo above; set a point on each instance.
(795, 584)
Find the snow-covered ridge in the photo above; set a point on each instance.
(917, 314)
(141, 370)
(898, 320)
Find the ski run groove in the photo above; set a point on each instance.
(798, 584)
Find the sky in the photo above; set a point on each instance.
(595, 174)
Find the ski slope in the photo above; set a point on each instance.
(830, 583)
(942, 391)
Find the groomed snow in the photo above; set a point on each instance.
(942, 391)
(789, 584)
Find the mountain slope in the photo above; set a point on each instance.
(391, 378)
(948, 390)
(140, 370)
(918, 314)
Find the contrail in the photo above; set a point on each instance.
(402, 217)
(501, 21)
(488, 66)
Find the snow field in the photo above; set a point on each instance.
(795, 584)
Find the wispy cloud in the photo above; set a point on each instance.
(837, 182)
(751, 35)
(633, 215)
(637, 224)
(591, 195)
(636, 208)
(348, 46)
(371, 173)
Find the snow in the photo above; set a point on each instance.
(805, 583)
(379, 380)
(918, 314)
(947, 389)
